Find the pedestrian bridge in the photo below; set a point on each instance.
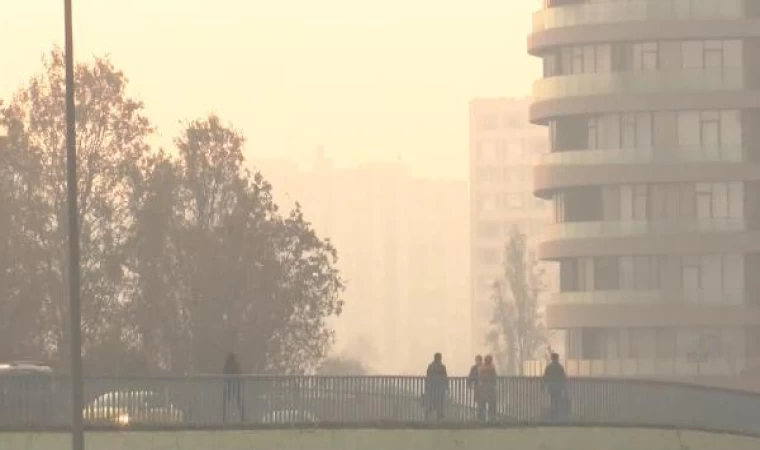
(532, 438)
(186, 413)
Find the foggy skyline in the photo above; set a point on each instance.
(367, 83)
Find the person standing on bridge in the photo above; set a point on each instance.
(555, 382)
(487, 390)
(232, 388)
(473, 383)
(436, 387)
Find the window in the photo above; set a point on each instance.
(709, 129)
(585, 274)
(612, 131)
(712, 272)
(711, 54)
(486, 151)
(633, 202)
(719, 200)
(514, 201)
(643, 56)
(489, 230)
(690, 272)
(550, 65)
(486, 203)
(489, 122)
(592, 343)
(665, 346)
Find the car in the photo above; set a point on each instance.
(27, 393)
(289, 416)
(130, 408)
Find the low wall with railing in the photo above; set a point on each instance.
(545, 438)
(354, 402)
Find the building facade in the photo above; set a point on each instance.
(653, 112)
(402, 248)
(503, 148)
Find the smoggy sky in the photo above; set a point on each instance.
(366, 79)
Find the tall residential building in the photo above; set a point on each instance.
(503, 148)
(402, 247)
(653, 108)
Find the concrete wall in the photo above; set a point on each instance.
(485, 439)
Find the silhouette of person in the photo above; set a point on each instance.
(436, 386)
(232, 386)
(473, 382)
(555, 382)
(487, 389)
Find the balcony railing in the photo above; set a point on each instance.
(43, 403)
(636, 11)
(660, 81)
(586, 230)
(724, 153)
(703, 297)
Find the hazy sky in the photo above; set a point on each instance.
(366, 79)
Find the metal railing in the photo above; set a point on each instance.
(639, 82)
(635, 11)
(42, 403)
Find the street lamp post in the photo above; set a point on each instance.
(75, 320)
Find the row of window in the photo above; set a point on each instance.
(509, 175)
(644, 56)
(686, 130)
(513, 150)
(688, 344)
(491, 229)
(495, 121)
(713, 272)
(494, 203)
(651, 202)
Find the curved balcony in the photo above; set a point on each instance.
(585, 230)
(643, 10)
(707, 297)
(611, 83)
(725, 153)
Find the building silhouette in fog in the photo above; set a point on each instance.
(653, 112)
(402, 248)
(503, 147)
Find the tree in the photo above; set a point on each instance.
(517, 332)
(111, 139)
(223, 269)
(183, 257)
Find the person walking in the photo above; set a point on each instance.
(232, 386)
(487, 389)
(436, 387)
(473, 383)
(555, 383)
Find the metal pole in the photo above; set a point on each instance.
(75, 320)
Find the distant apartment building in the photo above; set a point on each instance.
(653, 108)
(402, 246)
(503, 148)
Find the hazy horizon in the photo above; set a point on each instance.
(365, 83)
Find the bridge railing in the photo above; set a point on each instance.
(29, 403)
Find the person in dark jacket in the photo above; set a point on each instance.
(487, 388)
(555, 382)
(436, 387)
(473, 383)
(232, 388)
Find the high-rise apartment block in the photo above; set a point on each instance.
(503, 148)
(402, 247)
(653, 112)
